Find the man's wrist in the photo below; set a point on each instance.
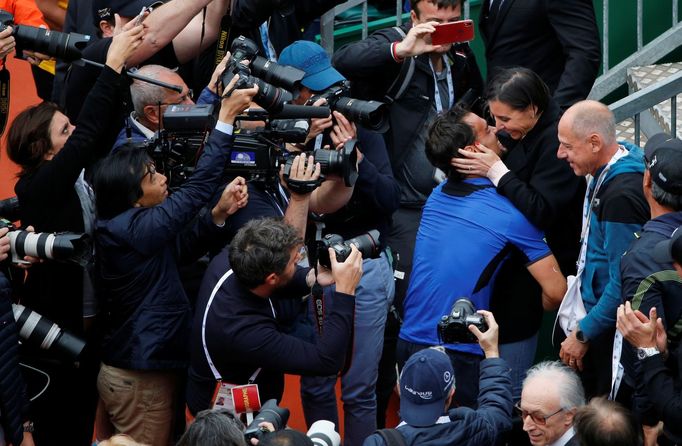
(491, 353)
(396, 53)
(580, 336)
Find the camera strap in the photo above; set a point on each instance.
(302, 187)
(317, 292)
(223, 38)
(4, 96)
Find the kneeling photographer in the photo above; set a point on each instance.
(141, 236)
(375, 197)
(237, 337)
(427, 387)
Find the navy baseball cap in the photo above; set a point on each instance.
(105, 9)
(669, 250)
(663, 155)
(314, 61)
(425, 384)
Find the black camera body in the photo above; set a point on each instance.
(64, 46)
(373, 115)
(269, 412)
(343, 162)
(367, 244)
(453, 328)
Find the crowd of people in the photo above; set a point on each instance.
(405, 227)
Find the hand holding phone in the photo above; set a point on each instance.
(138, 19)
(453, 32)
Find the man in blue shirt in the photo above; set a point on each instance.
(466, 232)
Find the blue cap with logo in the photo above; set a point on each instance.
(314, 61)
(425, 384)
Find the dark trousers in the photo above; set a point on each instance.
(404, 226)
(467, 371)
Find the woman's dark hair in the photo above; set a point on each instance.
(519, 88)
(28, 139)
(445, 137)
(117, 180)
(262, 247)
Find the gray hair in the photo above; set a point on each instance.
(144, 93)
(594, 117)
(667, 199)
(567, 382)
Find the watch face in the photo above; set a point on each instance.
(641, 354)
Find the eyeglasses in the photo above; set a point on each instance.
(151, 170)
(184, 98)
(537, 419)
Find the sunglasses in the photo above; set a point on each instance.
(540, 420)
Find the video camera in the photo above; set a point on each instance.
(373, 115)
(64, 46)
(454, 327)
(38, 331)
(62, 246)
(269, 412)
(367, 244)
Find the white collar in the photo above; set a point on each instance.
(148, 134)
(564, 438)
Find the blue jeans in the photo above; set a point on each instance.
(519, 355)
(373, 297)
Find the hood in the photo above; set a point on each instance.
(633, 162)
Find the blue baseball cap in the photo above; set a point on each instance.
(425, 384)
(314, 61)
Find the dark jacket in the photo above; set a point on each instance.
(369, 64)
(13, 398)
(559, 40)
(648, 283)
(243, 332)
(660, 384)
(148, 314)
(48, 201)
(550, 195)
(467, 426)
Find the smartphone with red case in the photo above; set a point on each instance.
(453, 32)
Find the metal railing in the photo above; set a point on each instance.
(637, 103)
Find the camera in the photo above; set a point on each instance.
(370, 114)
(343, 162)
(41, 332)
(270, 97)
(367, 244)
(62, 246)
(9, 208)
(454, 327)
(64, 46)
(269, 412)
(322, 433)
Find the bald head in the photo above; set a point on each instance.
(587, 137)
(606, 423)
(587, 117)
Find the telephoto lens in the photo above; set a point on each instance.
(367, 244)
(373, 115)
(343, 162)
(65, 246)
(270, 412)
(41, 332)
(322, 433)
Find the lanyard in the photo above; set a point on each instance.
(451, 88)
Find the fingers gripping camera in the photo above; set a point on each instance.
(453, 328)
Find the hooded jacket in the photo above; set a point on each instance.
(619, 210)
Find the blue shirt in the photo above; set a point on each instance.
(465, 234)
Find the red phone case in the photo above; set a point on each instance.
(453, 32)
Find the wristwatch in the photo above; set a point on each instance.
(580, 336)
(646, 352)
(28, 427)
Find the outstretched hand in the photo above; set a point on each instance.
(417, 41)
(640, 331)
(488, 340)
(234, 197)
(124, 44)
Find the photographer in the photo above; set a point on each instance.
(151, 101)
(375, 197)
(427, 387)
(237, 336)
(52, 155)
(142, 235)
(465, 234)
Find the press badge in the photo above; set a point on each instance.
(236, 399)
(222, 397)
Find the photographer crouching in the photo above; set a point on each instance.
(237, 338)
(141, 236)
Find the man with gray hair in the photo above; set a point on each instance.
(646, 281)
(614, 209)
(606, 423)
(150, 101)
(550, 397)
